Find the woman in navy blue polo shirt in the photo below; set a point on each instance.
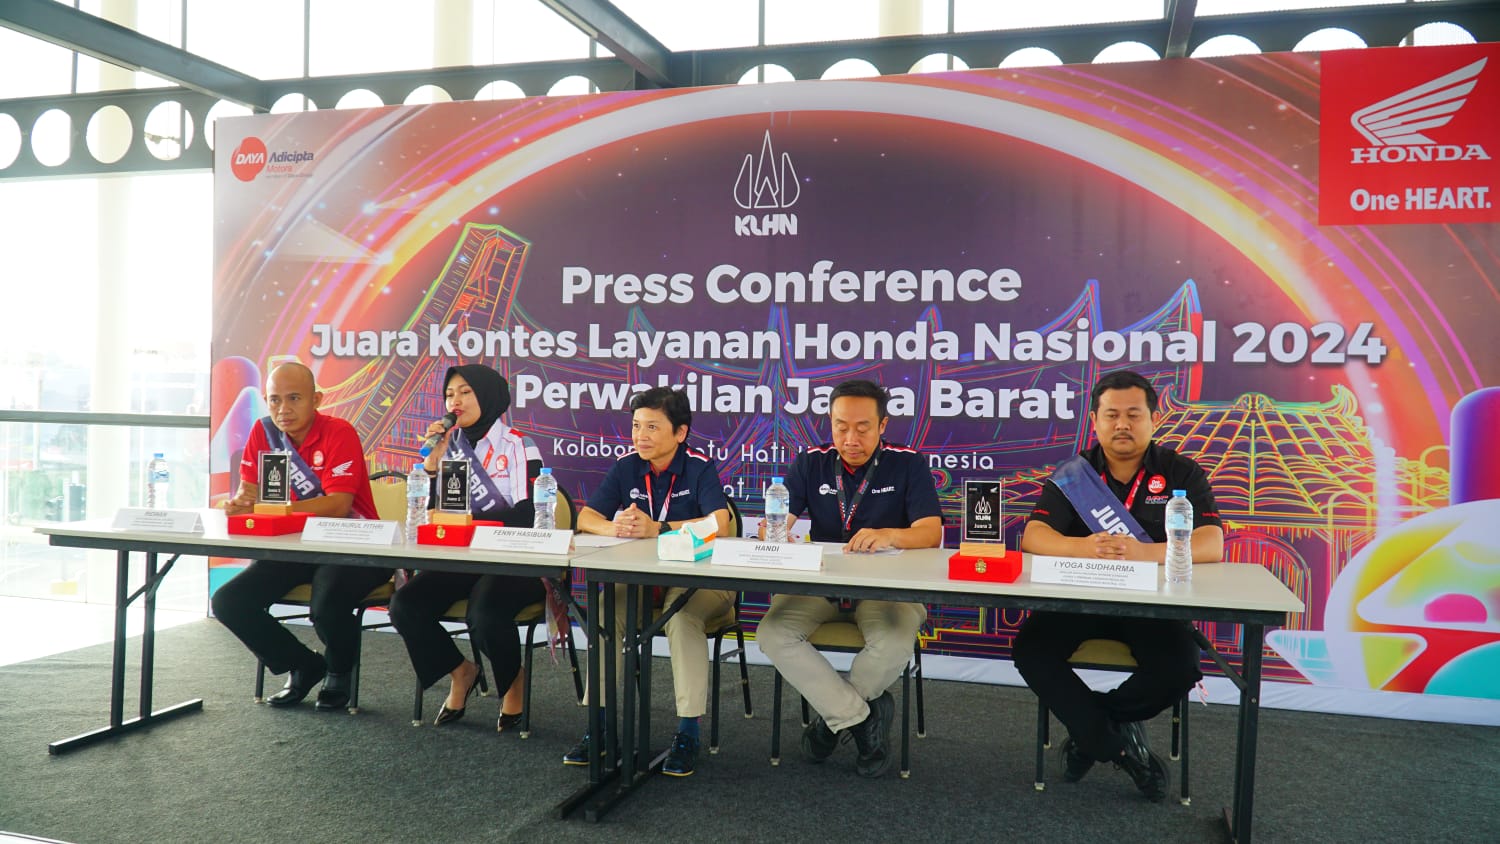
(659, 488)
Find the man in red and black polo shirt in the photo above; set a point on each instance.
(329, 478)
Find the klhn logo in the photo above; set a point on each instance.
(769, 186)
(983, 512)
(1395, 125)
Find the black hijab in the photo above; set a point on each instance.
(490, 390)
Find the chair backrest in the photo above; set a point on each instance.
(564, 514)
(736, 525)
(389, 489)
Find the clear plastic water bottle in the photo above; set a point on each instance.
(544, 500)
(158, 482)
(416, 501)
(1179, 538)
(778, 504)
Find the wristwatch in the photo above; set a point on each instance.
(663, 527)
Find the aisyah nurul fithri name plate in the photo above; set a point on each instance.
(982, 511)
(453, 486)
(275, 481)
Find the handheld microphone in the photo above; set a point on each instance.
(449, 420)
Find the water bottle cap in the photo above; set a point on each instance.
(1179, 493)
(157, 456)
(776, 479)
(418, 465)
(425, 451)
(546, 470)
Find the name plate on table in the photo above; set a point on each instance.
(158, 521)
(798, 556)
(1106, 574)
(529, 540)
(349, 531)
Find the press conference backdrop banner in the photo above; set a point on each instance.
(1301, 251)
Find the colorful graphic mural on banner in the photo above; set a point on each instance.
(985, 243)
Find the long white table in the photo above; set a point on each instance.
(1242, 594)
(216, 541)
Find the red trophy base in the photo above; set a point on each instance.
(456, 535)
(261, 524)
(986, 562)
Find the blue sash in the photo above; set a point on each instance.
(484, 496)
(1092, 500)
(304, 479)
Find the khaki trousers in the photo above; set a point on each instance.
(889, 628)
(708, 609)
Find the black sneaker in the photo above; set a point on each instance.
(681, 756)
(1144, 767)
(1077, 764)
(818, 742)
(872, 737)
(579, 755)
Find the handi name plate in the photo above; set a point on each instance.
(528, 540)
(158, 521)
(797, 556)
(349, 531)
(1138, 575)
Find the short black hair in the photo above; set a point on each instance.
(861, 389)
(673, 403)
(1123, 379)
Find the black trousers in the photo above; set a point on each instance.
(1165, 651)
(494, 601)
(243, 605)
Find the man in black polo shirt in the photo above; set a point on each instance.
(1106, 726)
(659, 488)
(870, 495)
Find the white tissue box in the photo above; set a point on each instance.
(691, 543)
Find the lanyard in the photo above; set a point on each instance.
(847, 513)
(666, 502)
(1130, 498)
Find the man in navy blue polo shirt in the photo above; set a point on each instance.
(870, 495)
(1124, 466)
(659, 488)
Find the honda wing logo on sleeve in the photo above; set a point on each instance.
(1395, 126)
(768, 185)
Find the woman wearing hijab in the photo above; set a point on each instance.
(503, 461)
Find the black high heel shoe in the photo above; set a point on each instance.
(446, 715)
(508, 722)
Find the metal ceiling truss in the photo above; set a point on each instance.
(640, 61)
(628, 40)
(106, 41)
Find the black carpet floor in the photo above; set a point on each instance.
(239, 771)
